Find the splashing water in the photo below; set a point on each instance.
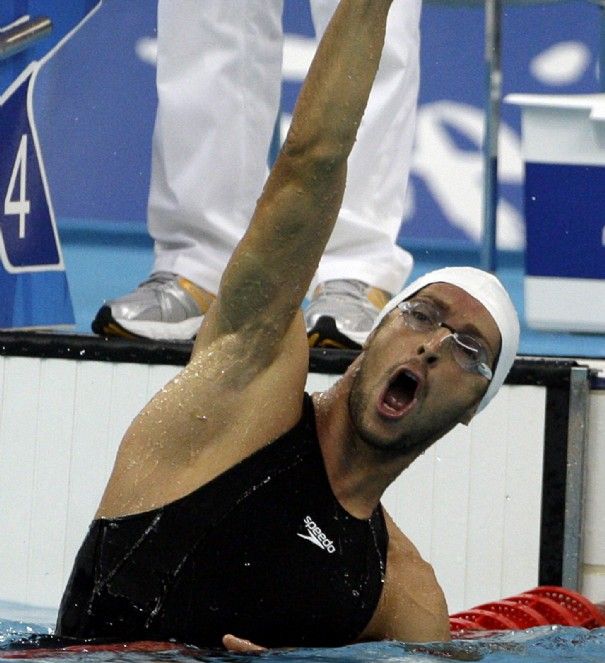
(544, 644)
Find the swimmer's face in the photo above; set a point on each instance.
(408, 389)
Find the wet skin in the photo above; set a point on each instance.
(245, 382)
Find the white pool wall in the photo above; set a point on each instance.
(471, 503)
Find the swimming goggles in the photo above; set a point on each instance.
(468, 351)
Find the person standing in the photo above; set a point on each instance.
(218, 82)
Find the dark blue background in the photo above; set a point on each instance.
(565, 213)
(96, 99)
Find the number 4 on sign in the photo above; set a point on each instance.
(18, 205)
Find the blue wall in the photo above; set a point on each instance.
(95, 105)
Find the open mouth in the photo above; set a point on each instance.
(399, 396)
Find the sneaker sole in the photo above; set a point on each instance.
(327, 334)
(106, 325)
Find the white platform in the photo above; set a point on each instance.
(567, 129)
(562, 304)
(566, 293)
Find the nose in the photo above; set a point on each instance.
(430, 348)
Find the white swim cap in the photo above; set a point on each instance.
(488, 290)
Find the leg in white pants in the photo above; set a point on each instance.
(218, 79)
(362, 245)
(219, 64)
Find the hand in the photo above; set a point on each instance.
(241, 646)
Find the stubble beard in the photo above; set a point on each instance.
(358, 405)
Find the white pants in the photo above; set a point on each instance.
(218, 81)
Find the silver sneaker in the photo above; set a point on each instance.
(342, 313)
(164, 307)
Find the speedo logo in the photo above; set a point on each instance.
(316, 536)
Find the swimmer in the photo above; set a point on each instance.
(239, 504)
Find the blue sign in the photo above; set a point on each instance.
(565, 232)
(28, 238)
(33, 283)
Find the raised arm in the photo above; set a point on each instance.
(271, 269)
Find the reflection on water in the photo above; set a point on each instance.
(546, 644)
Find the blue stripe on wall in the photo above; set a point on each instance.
(565, 220)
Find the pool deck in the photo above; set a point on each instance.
(105, 260)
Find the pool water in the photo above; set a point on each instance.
(545, 644)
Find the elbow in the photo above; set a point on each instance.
(320, 156)
(315, 166)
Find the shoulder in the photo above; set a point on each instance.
(412, 606)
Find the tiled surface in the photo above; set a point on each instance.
(594, 530)
(593, 583)
(471, 503)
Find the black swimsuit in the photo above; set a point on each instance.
(264, 551)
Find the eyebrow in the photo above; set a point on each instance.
(467, 328)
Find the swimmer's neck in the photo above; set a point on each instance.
(358, 474)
